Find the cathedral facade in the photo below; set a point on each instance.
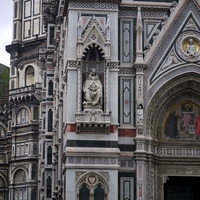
(104, 101)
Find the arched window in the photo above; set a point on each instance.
(99, 193)
(92, 186)
(43, 178)
(20, 176)
(17, 78)
(22, 116)
(49, 155)
(50, 89)
(34, 149)
(2, 132)
(29, 76)
(2, 184)
(34, 172)
(33, 194)
(44, 123)
(50, 120)
(84, 193)
(49, 187)
(2, 189)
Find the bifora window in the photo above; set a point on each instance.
(86, 194)
(92, 187)
(22, 116)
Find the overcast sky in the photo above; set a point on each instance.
(6, 15)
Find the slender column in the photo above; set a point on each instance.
(140, 153)
(140, 180)
(106, 90)
(79, 89)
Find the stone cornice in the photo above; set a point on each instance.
(89, 1)
(23, 46)
(136, 4)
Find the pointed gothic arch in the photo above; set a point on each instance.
(175, 92)
(92, 183)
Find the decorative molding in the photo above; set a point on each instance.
(178, 151)
(82, 160)
(92, 120)
(128, 164)
(71, 64)
(93, 5)
(113, 65)
(127, 70)
(145, 14)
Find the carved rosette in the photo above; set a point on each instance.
(188, 46)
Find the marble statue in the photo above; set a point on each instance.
(140, 114)
(92, 90)
(191, 48)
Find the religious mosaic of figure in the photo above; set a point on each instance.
(191, 48)
(197, 126)
(92, 90)
(183, 122)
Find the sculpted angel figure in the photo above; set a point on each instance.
(170, 60)
(191, 48)
(92, 90)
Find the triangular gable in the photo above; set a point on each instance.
(94, 32)
(190, 26)
(166, 28)
(170, 60)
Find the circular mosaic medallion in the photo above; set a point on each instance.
(188, 46)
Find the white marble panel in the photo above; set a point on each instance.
(99, 137)
(113, 96)
(71, 100)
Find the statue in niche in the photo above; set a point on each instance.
(92, 91)
(191, 48)
(140, 114)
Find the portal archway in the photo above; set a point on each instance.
(183, 88)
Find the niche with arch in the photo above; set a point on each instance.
(93, 77)
(29, 76)
(22, 116)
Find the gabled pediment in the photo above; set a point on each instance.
(94, 30)
(169, 52)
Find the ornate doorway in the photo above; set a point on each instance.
(182, 188)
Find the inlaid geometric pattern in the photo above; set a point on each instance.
(126, 41)
(94, 5)
(92, 160)
(145, 14)
(178, 151)
(127, 164)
